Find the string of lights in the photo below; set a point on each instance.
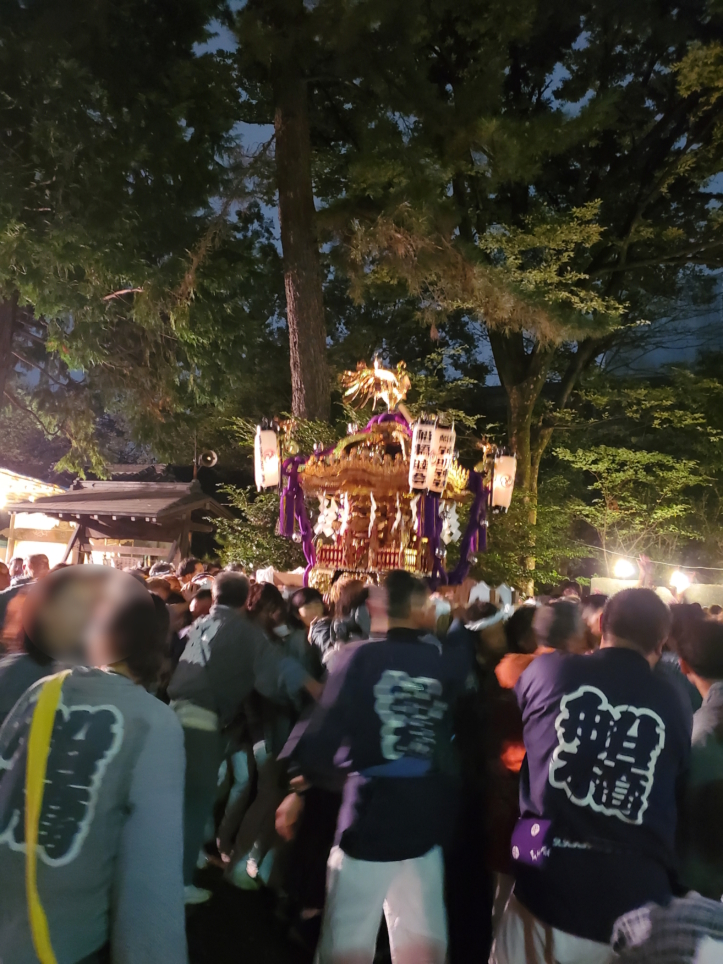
(655, 562)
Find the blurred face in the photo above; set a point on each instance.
(4, 576)
(38, 566)
(113, 593)
(189, 576)
(17, 567)
(579, 642)
(314, 610)
(174, 582)
(593, 628)
(422, 612)
(59, 613)
(200, 607)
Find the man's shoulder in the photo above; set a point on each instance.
(708, 726)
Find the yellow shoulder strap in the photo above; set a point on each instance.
(41, 731)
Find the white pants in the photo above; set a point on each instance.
(409, 892)
(523, 939)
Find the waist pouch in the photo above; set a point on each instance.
(531, 841)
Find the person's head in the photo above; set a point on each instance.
(485, 619)
(57, 612)
(352, 595)
(307, 604)
(201, 603)
(408, 601)
(569, 589)
(38, 565)
(16, 567)
(519, 634)
(161, 569)
(266, 606)
(188, 568)
(130, 633)
(202, 580)
(159, 586)
(701, 655)
(235, 567)
(685, 621)
(178, 610)
(715, 611)
(559, 625)
(636, 619)
(592, 610)
(230, 589)
(61, 611)
(4, 576)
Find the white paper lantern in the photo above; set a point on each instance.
(441, 455)
(430, 457)
(266, 458)
(503, 481)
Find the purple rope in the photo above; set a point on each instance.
(475, 535)
(292, 507)
(432, 531)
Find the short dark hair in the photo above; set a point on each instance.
(305, 597)
(639, 617)
(518, 627)
(353, 595)
(685, 620)
(401, 587)
(230, 589)
(557, 622)
(264, 595)
(203, 594)
(139, 633)
(594, 603)
(703, 649)
(187, 567)
(235, 567)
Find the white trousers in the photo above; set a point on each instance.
(409, 892)
(523, 939)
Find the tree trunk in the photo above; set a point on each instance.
(523, 375)
(8, 322)
(302, 271)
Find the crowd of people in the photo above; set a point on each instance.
(405, 773)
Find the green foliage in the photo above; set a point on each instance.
(512, 539)
(642, 502)
(252, 540)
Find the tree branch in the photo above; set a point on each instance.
(26, 361)
(119, 294)
(13, 401)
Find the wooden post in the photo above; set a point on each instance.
(11, 539)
